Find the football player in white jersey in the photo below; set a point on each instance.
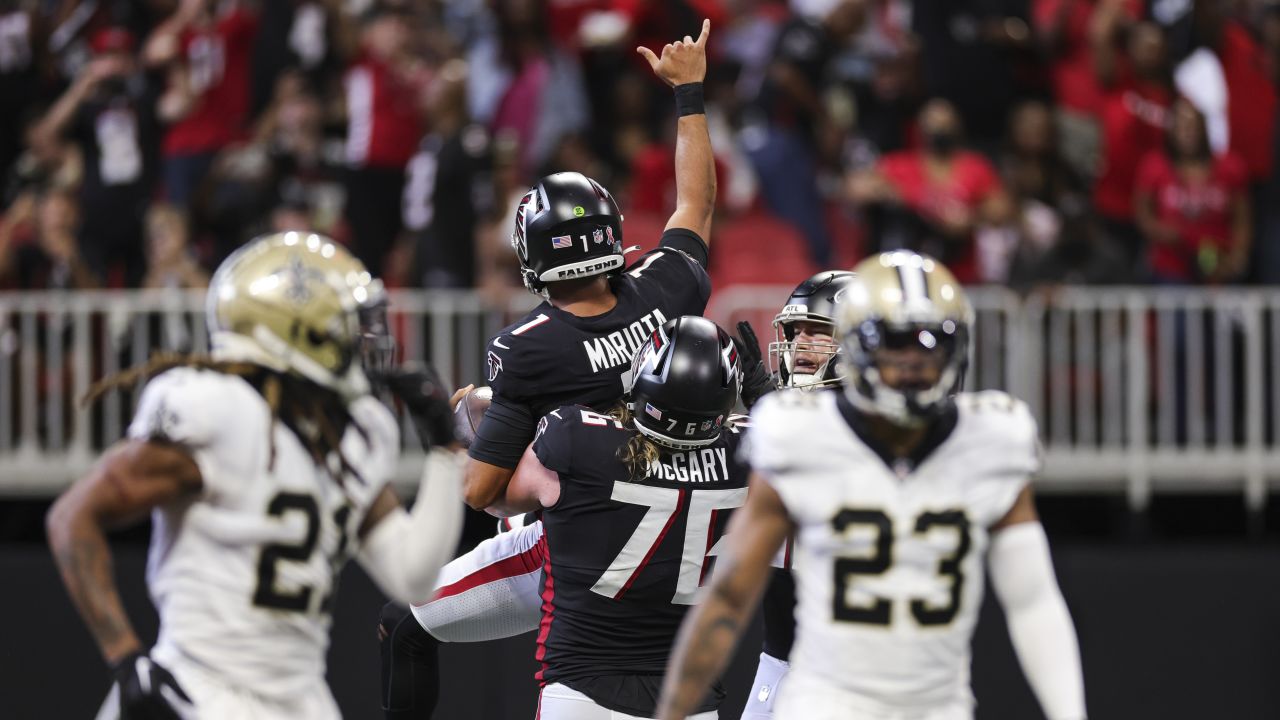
(897, 489)
(264, 467)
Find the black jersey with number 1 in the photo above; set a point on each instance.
(551, 358)
(626, 556)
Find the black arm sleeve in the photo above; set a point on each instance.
(688, 242)
(780, 614)
(504, 433)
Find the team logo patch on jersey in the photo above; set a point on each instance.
(495, 366)
(562, 241)
(652, 411)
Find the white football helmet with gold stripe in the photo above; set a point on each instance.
(899, 301)
(296, 302)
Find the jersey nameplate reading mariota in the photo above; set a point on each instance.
(618, 347)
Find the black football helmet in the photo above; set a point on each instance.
(684, 381)
(567, 226)
(814, 300)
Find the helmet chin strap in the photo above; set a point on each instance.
(805, 380)
(809, 381)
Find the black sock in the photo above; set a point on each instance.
(410, 666)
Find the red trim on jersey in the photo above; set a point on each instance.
(684, 497)
(531, 324)
(786, 553)
(548, 613)
(711, 540)
(526, 562)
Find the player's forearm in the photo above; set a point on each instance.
(404, 552)
(695, 176)
(1039, 622)
(84, 560)
(702, 650)
(484, 484)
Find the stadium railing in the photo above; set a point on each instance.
(1137, 390)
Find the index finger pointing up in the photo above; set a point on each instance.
(706, 30)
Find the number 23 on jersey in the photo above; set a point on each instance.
(880, 610)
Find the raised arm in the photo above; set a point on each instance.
(1106, 20)
(162, 45)
(1039, 622)
(712, 628)
(55, 121)
(683, 66)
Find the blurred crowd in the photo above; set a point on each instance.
(1024, 142)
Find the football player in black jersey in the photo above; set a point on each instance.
(803, 355)
(633, 503)
(574, 348)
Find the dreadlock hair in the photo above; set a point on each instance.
(316, 415)
(639, 453)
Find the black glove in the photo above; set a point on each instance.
(756, 381)
(149, 692)
(426, 398)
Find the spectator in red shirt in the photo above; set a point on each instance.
(933, 199)
(207, 47)
(1193, 208)
(1062, 29)
(1134, 114)
(384, 125)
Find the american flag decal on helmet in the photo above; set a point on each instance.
(652, 411)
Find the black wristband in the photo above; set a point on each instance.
(689, 99)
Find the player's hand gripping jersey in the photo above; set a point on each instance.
(244, 575)
(626, 557)
(888, 560)
(551, 357)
